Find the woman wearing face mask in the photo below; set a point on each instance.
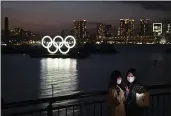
(116, 95)
(132, 109)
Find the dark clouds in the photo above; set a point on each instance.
(54, 15)
(151, 5)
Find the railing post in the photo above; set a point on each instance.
(66, 113)
(81, 110)
(94, 107)
(49, 109)
(52, 90)
(101, 108)
(163, 100)
(158, 106)
(73, 111)
(152, 105)
(58, 112)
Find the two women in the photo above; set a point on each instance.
(122, 98)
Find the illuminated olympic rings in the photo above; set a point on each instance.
(58, 45)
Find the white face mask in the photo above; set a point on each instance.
(119, 81)
(131, 79)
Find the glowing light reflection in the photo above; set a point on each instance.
(61, 73)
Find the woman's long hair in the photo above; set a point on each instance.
(113, 79)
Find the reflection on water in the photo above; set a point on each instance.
(36, 76)
(61, 73)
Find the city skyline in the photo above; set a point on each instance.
(126, 28)
(54, 16)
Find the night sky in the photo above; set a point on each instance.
(54, 16)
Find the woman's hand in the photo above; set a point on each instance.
(127, 90)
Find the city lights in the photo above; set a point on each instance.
(97, 42)
(125, 32)
(79, 28)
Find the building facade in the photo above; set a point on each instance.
(145, 27)
(108, 31)
(79, 29)
(101, 28)
(126, 27)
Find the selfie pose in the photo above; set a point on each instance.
(137, 98)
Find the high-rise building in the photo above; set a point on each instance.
(130, 27)
(118, 31)
(126, 27)
(79, 29)
(144, 27)
(168, 28)
(122, 27)
(101, 30)
(108, 31)
(6, 30)
(19, 31)
(167, 31)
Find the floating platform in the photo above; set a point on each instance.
(75, 56)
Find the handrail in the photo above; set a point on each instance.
(70, 97)
(54, 99)
(163, 93)
(163, 86)
(76, 104)
(58, 107)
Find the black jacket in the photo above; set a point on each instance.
(130, 102)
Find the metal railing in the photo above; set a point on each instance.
(51, 90)
(88, 104)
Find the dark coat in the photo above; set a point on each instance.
(132, 108)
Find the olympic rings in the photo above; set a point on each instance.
(58, 45)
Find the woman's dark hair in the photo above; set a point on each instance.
(113, 77)
(131, 70)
